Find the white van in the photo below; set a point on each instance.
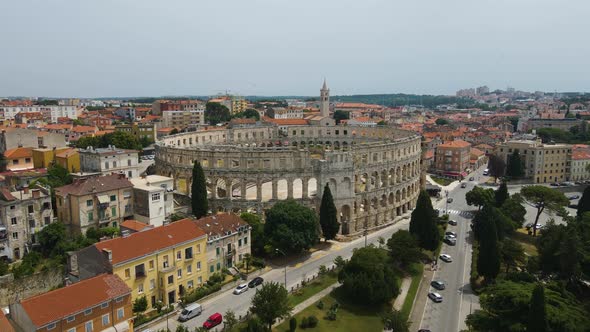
(190, 311)
(486, 172)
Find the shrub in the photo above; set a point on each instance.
(335, 306)
(331, 315)
(200, 293)
(304, 323)
(215, 278)
(292, 324)
(257, 262)
(323, 270)
(312, 321)
(320, 305)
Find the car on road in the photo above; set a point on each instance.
(241, 289)
(451, 234)
(190, 311)
(472, 179)
(255, 282)
(453, 222)
(424, 330)
(449, 200)
(450, 241)
(463, 185)
(436, 297)
(554, 184)
(486, 172)
(446, 258)
(573, 197)
(440, 285)
(213, 321)
(573, 206)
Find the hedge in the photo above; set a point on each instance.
(200, 293)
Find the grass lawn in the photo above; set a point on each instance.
(412, 291)
(350, 318)
(441, 181)
(526, 241)
(313, 288)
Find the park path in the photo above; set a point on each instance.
(404, 287)
(319, 295)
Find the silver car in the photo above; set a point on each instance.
(241, 288)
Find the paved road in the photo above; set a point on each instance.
(295, 273)
(458, 298)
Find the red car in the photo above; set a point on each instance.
(213, 321)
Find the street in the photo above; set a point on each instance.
(295, 273)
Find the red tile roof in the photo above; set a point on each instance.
(97, 184)
(4, 323)
(63, 302)
(220, 223)
(18, 153)
(149, 241)
(135, 225)
(455, 144)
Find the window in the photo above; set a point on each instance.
(71, 319)
(198, 248)
(189, 269)
(156, 197)
(87, 312)
(140, 288)
(127, 274)
(47, 220)
(179, 255)
(151, 265)
(12, 207)
(13, 220)
(106, 165)
(114, 211)
(104, 305)
(15, 236)
(179, 273)
(188, 253)
(246, 240)
(88, 326)
(127, 194)
(128, 162)
(89, 202)
(119, 299)
(211, 268)
(105, 320)
(120, 313)
(239, 242)
(114, 164)
(217, 251)
(90, 216)
(170, 279)
(73, 329)
(51, 326)
(189, 284)
(218, 266)
(15, 161)
(113, 198)
(31, 208)
(152, 284)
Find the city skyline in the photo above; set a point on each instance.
(279, 48)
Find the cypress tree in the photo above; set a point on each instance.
(537, 314)
(488, 260)
(515, 168)
(423, 223)
(501, 195)
(199, 203)
(584, 203)
(328, 215)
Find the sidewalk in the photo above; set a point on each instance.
(301, 306)
(421, 298)
(403, 292)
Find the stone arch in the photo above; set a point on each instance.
(383, 201)
(298, 188)
(390, 199)
(220, 188)
(333, 186)
(404, 193)
(375, 183)
(236, 189)
(312, 187)
(346, 185)
(251, 189)
(282, 189)
(398, 196)
(374, 203)
(345, 219)
(384, 178)
(266, 190)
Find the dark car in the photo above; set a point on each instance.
(255, 282)
(453, 222)
(451, 234)
(554, 184)
(471, 178)
(463, 185)
(440, 285)
(450, 241)
(573, 197)
(449, 200)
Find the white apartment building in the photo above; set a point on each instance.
(50, 112)
(182, 119)
(285, 113)
(109, 160)
(153, 199)
(580, 162)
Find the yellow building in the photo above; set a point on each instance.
(238, 104)
(69, 159)
(43, 158)
(161, 264)
(139, 130)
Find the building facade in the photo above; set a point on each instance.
(284, 113)
(50, 112)
(153, 199)
(102, 303)
(161, 264)
(452, 158)
(99, 201)
(139, 130)
(22, 215)
(580, 162)
(19, 159)
(109, 160)
(183, 119)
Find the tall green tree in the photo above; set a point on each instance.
(501, 194)
(514, 209)
(199, 203)
(404, 249)
(544, 199)
(584, 202)
(291, 227)
(216, 113)
(441, 121)
(368, 278)
(423, 223)
(257, 237)
(396, 321)
(479, 196)
(512, 254)
(515, 168)
(496, 166)
(538, 313)
(488, 260)
(328, 215)
(340, 115)
(270, 302)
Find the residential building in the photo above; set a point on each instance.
(69, 159)
(102, 303)
(580, 162)
(11, 138)
(284, 113)
(238, 104)
(18, 159)
(543, 163)
(34, 119)
(153, 199)
(563, 124)
(127, 113)
(97, 201)
(50, 112)
(139, 130)
(43, 158)
(160, 263)
(133, 226)
(452, 158)
(477, 158)
(160, 106)
(110, 160)
(228, 240)
(183, 119)
(22, 214)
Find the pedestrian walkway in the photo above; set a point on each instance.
(403, 292)
(421, 298)
(318, 296)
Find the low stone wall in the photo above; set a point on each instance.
(13, 290)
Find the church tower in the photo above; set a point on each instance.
(325, 100)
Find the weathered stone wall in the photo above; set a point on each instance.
(12, 290)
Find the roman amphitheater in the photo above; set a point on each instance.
(373, 173)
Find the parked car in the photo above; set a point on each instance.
(190, 311)
(449, 200)
(255, 282)
(213, 321)
(451, 234)
(446, 258)
(554, 184)
(463, 185)
(436, 297)
(573, 197)
(573, 206)
(241, 289)
(440, 285)
(472, 179)
(450, 241)
(453, 222)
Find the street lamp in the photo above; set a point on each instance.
(279, 250)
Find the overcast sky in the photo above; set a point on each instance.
(94, 48)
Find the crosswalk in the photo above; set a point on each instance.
(465, 214)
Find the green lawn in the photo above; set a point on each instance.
(313, 288)
(350, 318)
(441, 181)
(412, 291)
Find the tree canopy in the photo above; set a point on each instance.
(120, 139)
(199, 202)
(270, 302)
(328, 215)
(584, 202)
(501, 194)
(340, 115)
(543, 198)
(216, 113)
(368, 277)
(515, 168)
(496, 166)
(257, 238)
(404, 249)
(488, 261)
(423, 223)
(250, 113)
(479, 196)
(441, 121)
(291, 227)
(537, 313)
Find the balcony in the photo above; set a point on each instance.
(139, 274)
(166, 267)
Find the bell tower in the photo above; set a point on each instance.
(325, 100)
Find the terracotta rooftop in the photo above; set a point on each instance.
(135, 225)
(580, 154)
(84, 129)
(18, 153)
(149, 241)
(63, 302)
(455, 144)
(97, 184)
(4, 323)
(220, 223)
(66, 153)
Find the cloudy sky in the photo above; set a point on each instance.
(93, 48)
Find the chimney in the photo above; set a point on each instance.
(25, 189)
(108, 254)
(36, 193)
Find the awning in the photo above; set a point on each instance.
(103, 199)
(121, 327)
